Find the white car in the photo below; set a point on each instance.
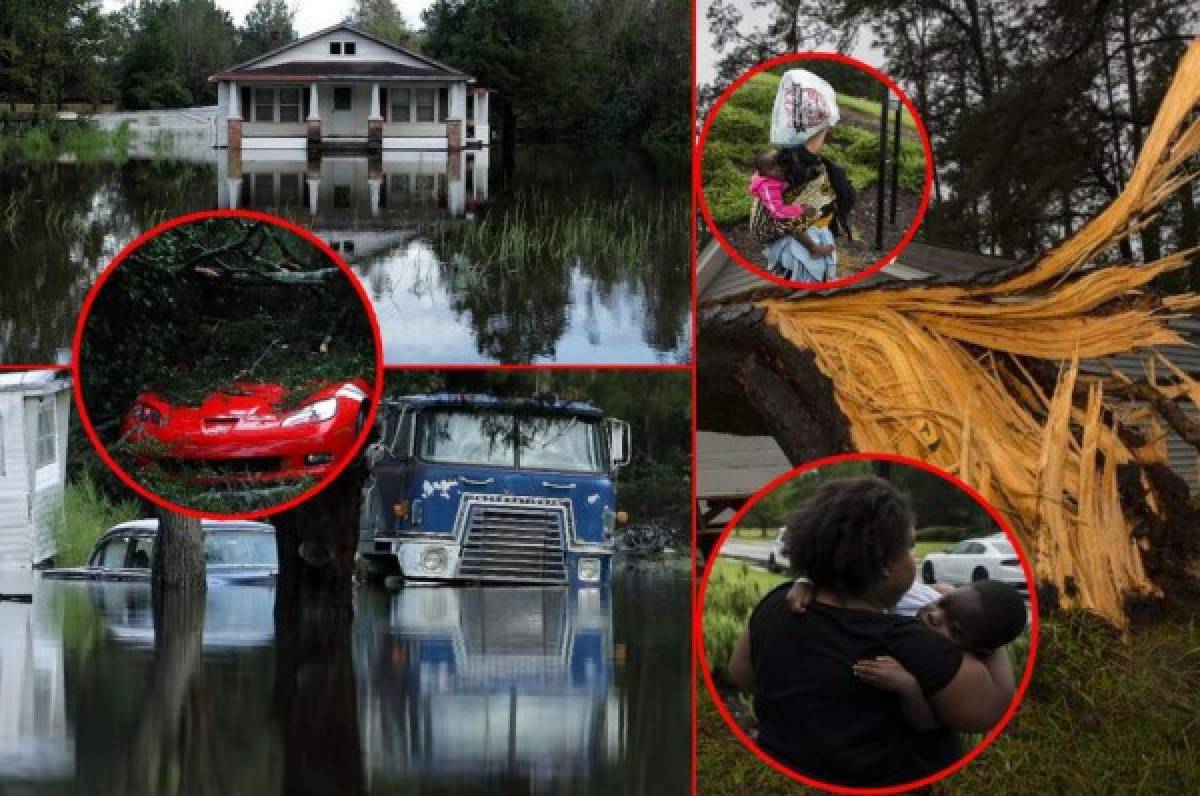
(776, 560)
(989, 558)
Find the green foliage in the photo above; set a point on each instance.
(268, 25)
(87, 513)
(605, 72)
(740, 131)
(381, 18)
(944, 533)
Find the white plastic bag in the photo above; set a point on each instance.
(804, 106)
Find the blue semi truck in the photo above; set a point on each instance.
(487, 489)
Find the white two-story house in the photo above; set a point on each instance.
(341, 88)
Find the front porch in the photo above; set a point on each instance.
(326, 115)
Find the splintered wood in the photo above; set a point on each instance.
(925, 372)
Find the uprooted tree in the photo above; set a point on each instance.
(982, 378)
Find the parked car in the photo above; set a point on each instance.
(970, 560)
(235, 551)
(777, 560)
(245, 435)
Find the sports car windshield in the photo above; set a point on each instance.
(546, 442)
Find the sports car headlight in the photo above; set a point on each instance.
(144, 413)
(313, 413)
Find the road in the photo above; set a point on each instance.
(754, 552)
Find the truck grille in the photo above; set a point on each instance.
(515, 539)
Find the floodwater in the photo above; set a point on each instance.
(439, 690)
(555, 257)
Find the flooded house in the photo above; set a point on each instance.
(342, 88)
(34, 411)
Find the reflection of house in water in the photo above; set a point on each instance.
(35, 742)
(489, 685)
(361, 206)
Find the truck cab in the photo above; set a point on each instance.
(485, 489)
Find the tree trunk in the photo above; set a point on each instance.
(178, 554)
(760, 383)
(1151, 235)
(315, 693)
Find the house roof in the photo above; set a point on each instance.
(319, 70)
(35, 381)
(239, 70)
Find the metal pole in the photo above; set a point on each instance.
(882, 175)
(895, 162)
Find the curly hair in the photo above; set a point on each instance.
(844, 537)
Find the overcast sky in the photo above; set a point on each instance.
(311, 15)
(706, 57)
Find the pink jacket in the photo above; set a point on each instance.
(769, 191)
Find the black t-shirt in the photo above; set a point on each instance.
(817, 718)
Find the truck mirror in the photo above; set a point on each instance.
(619, 442)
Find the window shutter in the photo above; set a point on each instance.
(443, 104)
(384, 110)
(304, 101)
(247, 103)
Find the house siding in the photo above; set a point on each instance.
(318, 50)
(15, 525)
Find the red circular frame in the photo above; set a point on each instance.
(76, 360)
(705, 668)
(738, 257)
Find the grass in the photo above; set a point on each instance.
(925, 548)
(541, 228)
(740, 131)
(83, 141)
(753, 534)
(87, 514)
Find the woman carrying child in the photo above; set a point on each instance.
(795, 201)
(821, 711)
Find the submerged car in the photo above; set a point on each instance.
(235, 551)
(988, 558)
(246, 435)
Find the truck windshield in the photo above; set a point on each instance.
(547, 442)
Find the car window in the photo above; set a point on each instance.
(141, 552)
(112, 555)
(234, 548)
(961, 547)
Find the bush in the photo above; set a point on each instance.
(944, 533)
(87, 514)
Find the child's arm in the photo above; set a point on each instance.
(886, 673)
(816, 249)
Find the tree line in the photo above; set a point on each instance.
(576, 70)
(1036, 110)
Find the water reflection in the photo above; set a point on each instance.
(447, 245)
(437, 691)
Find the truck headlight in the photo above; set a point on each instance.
(434, 559)
(589, 570)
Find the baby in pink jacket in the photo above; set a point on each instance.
(768, 185)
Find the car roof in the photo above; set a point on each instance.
(150, 525)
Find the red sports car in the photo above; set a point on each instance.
(244, 434)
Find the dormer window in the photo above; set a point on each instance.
(348, 48)
(342, 47)
(335, 48)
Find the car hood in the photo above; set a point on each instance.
(245, 405)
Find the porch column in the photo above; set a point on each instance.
(375, 122)
(374, 186)
(314, 188)
(234, 120)
(314, 120)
